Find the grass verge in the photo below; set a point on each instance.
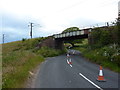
(18, 58)
(16, 68)
(103, 56)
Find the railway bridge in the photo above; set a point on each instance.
(80, 34)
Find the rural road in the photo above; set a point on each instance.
(55, 72)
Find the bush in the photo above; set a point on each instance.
(24, 39)
(107, 56)
(117, 59)
(104, 36)
(49, 52)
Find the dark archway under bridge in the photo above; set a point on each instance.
(60, 41)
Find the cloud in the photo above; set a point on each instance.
(83, 22)
(13, 22)
(16, 28)
(53, 16)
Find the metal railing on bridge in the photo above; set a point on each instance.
(73, 33)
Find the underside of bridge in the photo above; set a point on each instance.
(60, 41)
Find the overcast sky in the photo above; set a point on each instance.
(53, 16)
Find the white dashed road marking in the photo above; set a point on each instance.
(90, 81)
(85, 77)
(70, 65)
(67, 61)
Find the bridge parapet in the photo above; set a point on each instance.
(73, 33)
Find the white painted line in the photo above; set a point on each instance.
(67, 61)
(90, 81)
(70, 65)
(70, 60)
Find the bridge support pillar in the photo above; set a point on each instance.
(59, 44)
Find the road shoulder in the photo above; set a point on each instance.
(32, 77)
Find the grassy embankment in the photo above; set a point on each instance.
(107, 56)
(20, 57)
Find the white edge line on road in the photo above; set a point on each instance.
(67, 61)
(90, 81)
(70, 65)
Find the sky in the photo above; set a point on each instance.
(52, 16)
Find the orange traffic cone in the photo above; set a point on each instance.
(101, 77)
(70, 62)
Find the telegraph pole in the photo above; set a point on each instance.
(3, 38)
(31, 25)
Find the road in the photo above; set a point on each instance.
(55, 72)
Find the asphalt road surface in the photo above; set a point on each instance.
(55, 72)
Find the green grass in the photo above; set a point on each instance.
(20, 57)
(49, 52)
(97, 56)
(17, 67)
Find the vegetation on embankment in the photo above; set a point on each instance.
(19, 58)
(104, 47)
(106, 56)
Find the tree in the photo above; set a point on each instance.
(103, 36)
(95, 34)
(118, 29)
(71, 29)
(72, 42)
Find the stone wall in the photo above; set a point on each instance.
(49, 42)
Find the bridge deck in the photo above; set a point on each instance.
(74, 33)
